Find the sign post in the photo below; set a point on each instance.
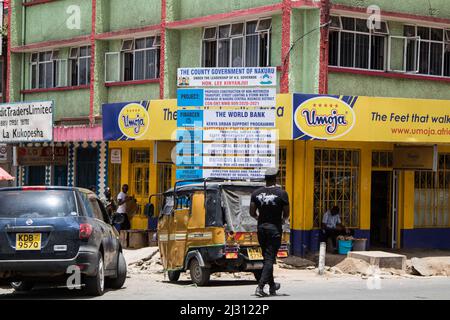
(226, 123)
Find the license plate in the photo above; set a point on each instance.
(255, 254)
(28, 241)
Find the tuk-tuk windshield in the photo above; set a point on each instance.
(168, 205)
(236, 207)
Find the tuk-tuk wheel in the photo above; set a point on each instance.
(199, 276)
(257, 274)
(173, 275)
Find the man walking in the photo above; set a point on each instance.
(270, 206)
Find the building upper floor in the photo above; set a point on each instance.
(82, 53)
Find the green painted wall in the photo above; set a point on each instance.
(176, 57)
(68, 104)
(133, 14)
(348, 84)
(436, 8)
(49, 22)
(133, 93)
(190, 47)
(187, 9)
(304, 58)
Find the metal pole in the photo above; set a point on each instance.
(322, 253)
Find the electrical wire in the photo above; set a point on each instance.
(300, 38)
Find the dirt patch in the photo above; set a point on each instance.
(360, 267)
(352, 266)
(294, 262)
(149, 264)
(433, 266)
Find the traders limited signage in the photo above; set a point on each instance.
(26, 122)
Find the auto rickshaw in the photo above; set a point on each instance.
(205, 227)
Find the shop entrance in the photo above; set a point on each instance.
(140, 176)
(381, 209)
(36, 176)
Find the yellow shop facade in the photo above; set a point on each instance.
(385, 162)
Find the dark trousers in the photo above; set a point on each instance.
(125, 225)
(269, 237)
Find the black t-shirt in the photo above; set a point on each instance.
(270, 202)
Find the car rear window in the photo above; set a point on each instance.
(37, 204)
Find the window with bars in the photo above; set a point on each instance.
(243, 44)
(114, 177)
(140, 156)
(382, 159)
(164, 181)
(282, 160)
(431, 195)
(139, 59)
(427, 50)
(46, 70)
(336, 183)
(353, 45)
(80, 66)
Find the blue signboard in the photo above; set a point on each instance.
(186, 174)
(190, 135)
(189, 148)
(190, 118)
(190, 97)
(115, 129)
(189, 161)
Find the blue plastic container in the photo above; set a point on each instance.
(345, 246)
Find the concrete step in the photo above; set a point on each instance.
(380, 258)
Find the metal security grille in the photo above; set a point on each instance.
(382, 160)
(114, 179)
(140, 176)
(164, 180)
(282, 154)
(432, 192)
(140, 156)
(336, 183)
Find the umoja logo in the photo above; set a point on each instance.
(331, 122)
(324, 118)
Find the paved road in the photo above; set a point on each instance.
(298, 285)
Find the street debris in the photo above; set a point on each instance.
(433, 266)
(352, 266)
(293, 262)
(364, 269)
(149, 264)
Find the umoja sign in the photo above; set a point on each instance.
(26, 122)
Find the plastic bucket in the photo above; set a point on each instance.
(345, 246)
(359, 244)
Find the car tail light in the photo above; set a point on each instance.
(85, 231)
(231, 255)
(283, 252)
(34, 188)
(231, 252)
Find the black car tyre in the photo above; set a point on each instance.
(257, 274)
(174, 275)
(95, 286)
(199, 275)
(22, 286)
(118, 282)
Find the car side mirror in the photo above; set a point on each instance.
(118, 218)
